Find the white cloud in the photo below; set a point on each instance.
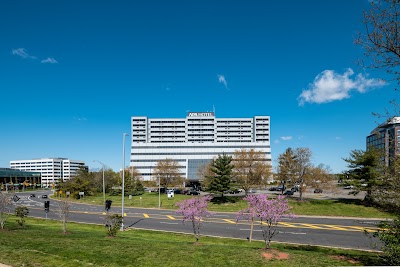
(49, 60)
(221, 79)
(330, 86)
(22, 53)
(286, 138)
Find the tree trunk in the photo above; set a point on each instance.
(251, 229)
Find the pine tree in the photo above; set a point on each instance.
(222, 173)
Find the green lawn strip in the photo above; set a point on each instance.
(328, 207)
(42, 243)
(337, 207)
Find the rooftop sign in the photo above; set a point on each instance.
(200, 114)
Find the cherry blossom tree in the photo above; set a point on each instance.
(269, 211)
(194, 210)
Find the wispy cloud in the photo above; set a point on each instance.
(286, 138)
(80, 118)
(49, 60)
(22, 53)
(221, 79)
(330, 86)
(338, 138)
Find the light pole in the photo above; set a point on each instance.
(104, 186)
(123, 177)
(159, 191)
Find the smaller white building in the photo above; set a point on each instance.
(51, 169)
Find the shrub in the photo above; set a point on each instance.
(21, 212)
(113, 224)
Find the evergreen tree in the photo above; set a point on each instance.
(221, 168)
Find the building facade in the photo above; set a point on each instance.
(386, 137)
(11, 177)
(52, 169)
(194, 141)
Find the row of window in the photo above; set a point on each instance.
(180, 121)
(181, 153)
(154, 126)
(193, 147)
(155, 160)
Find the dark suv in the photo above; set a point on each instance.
(193, 192)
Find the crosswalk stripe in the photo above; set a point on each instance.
(170, 217)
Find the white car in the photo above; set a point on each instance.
(348, 187)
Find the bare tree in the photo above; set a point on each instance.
(5, 208)
(286, 169)
(303, 167)
(168, 172)
(63, 210)
(205, 173)
(320, 177)
(251, 168)
(381, 39)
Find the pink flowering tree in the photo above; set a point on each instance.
(194, 210)
(269, 212)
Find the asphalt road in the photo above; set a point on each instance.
(321, 231)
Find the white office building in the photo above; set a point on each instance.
(194, 141)
(51, 169)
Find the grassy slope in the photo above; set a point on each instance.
(41, 243)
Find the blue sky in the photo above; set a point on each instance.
(72, 73)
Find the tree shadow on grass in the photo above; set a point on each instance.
(224, 199)
(351, 256)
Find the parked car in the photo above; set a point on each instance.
(33, 195)
(288, 193)
(177, 191)
(280, 188)
(193, 192)
(318, 190)
(294, 189)
(348, 187)
(273, 188)
(44, 196)
(252, 191)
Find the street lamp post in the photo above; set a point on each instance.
(123, 177)
(104, 186)
(159, 192)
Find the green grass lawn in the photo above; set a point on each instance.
(329, 207)
(42, 243)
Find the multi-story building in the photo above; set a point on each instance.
(387, 137)
(51, 169)
(194, 141)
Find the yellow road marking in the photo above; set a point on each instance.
(170, 217)
(286, 224)
(310, 226)
(146, 215)
(104, 213)
(229, 221)
(335, 227)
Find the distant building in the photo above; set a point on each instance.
(387, 137)
(51, 169)
(194, 141)
(12, 177)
